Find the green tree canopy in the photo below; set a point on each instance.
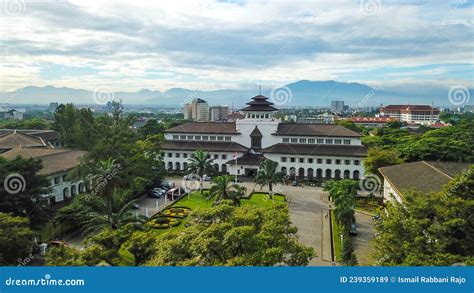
(16, 238)
(429, 229)
(235, 236)
(377, 158)
(24, 198)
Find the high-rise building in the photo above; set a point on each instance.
(197, 110)
(337, 106)
(219, 113)
(53, 107)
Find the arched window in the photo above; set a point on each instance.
(356, 175)
(292, 171)
(216, 167)
(328, 173)
(337, 174)
(82, 187)
(301, 172)
(66, 192)
(185, 166)
(319, 173)
(347, 174)
(178, 166)
(73, 190)
(310, 173)
(283, 170)
(224, 168)
(170, 166)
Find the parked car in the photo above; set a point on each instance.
(190, 177)
(206, 178)
(58, 243)
(294, 183)
(376, 218)
(353, 230)
(159, 189)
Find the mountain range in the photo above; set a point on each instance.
(300, 93)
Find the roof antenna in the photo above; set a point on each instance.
(260, 89)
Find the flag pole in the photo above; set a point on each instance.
(235, 168)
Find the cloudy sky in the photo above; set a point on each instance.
(158, 45)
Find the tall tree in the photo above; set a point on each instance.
(348, 256)
(16, 239)
(343, 193)
(377, 158)
(77, 127)
(22, 189)
(200, 163)
(268, 175)
(151, 127)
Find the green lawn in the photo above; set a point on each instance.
(336, 231)
(196, 201)
(263, 200)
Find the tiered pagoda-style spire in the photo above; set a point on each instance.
(259, 104)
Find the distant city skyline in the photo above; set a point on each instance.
(209, 45)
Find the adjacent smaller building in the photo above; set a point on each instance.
(422, 177)
(57, 162)
(413, 114)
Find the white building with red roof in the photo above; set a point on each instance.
(412, 114)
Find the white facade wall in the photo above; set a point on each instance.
(62, 189)
(183, 157)
(266, 127)
(297, 164)
(390, 193)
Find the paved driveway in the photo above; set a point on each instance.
(362, 242)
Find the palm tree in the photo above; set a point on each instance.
(342, 193)
(103, 179)
(344, 211)
(93, 213)
(223, 187)
(200, 163)
(268, 175)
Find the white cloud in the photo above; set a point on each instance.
(209, 44)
